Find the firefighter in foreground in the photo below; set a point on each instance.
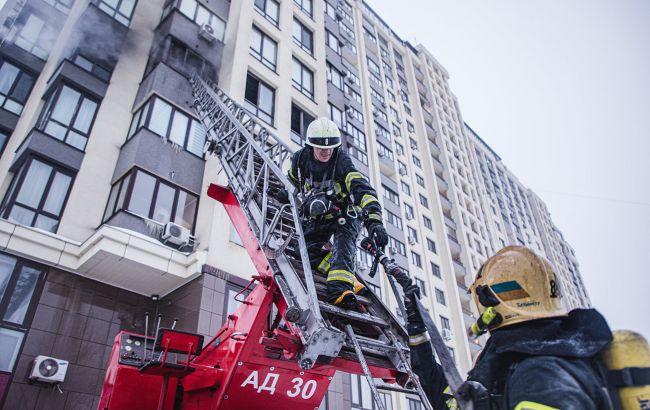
(336, 200)
(539, 356)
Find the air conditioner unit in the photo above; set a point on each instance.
(375, 113)
(176, 234)
(48, 369)
(402, 171)
(409, 217)
(412, 240)
(446, 334)
(381, 154)
(414, 146)
(350, 80)
(339, 16)
(207, 33)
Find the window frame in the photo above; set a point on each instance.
(256, 103)
(125, 195)
(300, 5)
(116, 11)
(259, 55)
(440, 296)
(299, 85)
(435, 270)
(19, 77)
(309, 48)
(305, 119)
(50, 106)
(264, 12)
(10, 199)
(416, 259)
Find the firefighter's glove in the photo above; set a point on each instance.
(282, 196)
(401, 277)
(472, 391)
(377, 233)
(413, 318)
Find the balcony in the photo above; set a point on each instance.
(450, 222)
(459, 269)
(435, 149)
(445, 202)
(454, 246)
(463, 292)
(386, 165)
(437, 165)
(443, 186)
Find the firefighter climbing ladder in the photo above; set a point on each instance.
(253, 158)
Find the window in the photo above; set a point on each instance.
(406, 188)
(424, 201)
(92, 67)
(358, 154)
(269, 9)
(372, 66)
(302, 78)
(263, 48)
(379, 113)
(259, 99)
(303, 37)
(61, 5)
(202, 16)
(379, 97)
(390, 94)
(397, 246)
(413, 234)
(427, 223)
(416, 259)
(414, 144)
(68, 116)
(332, 42)
(15, 86)
(349, 91)
(299, 122)
(417, 162)
(361, 394)
(381, 131)
(399, 148)
(384, 151)
(353, 77)
(402, 168)
(414, 404)
(120, 10)
(354, 113)
(186, 61)
(330, 10)
(419, 180)
(336, 115)
(390, 194)
(408, 211)
(393, 219)
(444, 322)
(147, 196)
(435, 270)
(421, 285)
(3, 140)
(19, 282)
(440, 297)
(171, 124)
(28, 37)
(37, 195)
(431, 245)
(358, 137)
(410, 127)
(334, 76)
(304, 5)
(375, 78)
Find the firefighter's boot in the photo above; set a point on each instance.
(341, 292)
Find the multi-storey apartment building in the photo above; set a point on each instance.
(516, 215)
(104, 211)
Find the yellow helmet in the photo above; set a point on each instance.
(516, 285)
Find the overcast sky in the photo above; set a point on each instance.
(561, 91)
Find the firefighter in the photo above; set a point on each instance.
(336, 200)
(538, 356)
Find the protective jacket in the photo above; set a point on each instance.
(339, 174)
(541, 364)
(355, 200)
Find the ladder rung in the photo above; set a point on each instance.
(396, 388)
(352, 315)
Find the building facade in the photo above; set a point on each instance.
(105, 214)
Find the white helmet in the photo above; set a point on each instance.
(323, 133)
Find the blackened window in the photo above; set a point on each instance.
(92, 67)
(28, 37)
(303, 37)
(153, 198)
(203, 17)
(259, 99)
(68, 116)
(269, 8)
(37, 195)
(424, 201)
(15, 86)
(120, 10)
(427, 223)
(4, 137)
(61, 5)
(19, 282)
(185, 60)
(264, 48)
(299, 122)
(302, 78)
(171, 124)
(431, 245)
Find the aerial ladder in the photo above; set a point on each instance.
(284, 343)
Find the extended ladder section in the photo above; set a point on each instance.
(253, 160)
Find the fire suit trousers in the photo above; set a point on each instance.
(339, 263)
